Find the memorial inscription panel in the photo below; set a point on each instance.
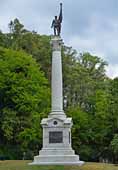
(56, 137)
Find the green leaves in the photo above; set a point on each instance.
(114, 147)
(9, 122)
(23, 92)
(114, 144)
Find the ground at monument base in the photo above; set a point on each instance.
(23, 165)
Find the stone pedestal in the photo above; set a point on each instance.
(57, 148)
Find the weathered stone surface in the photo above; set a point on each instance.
(58, 152)
(57, 148)
(57, 92)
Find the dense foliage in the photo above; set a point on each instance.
(24, 98)
(90, 97)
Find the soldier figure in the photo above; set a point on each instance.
(56, 23)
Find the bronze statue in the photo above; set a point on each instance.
(56, 23)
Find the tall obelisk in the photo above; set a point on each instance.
(57, 148)
(57, 84)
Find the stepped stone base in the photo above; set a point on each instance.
(56, 157)
(56, 160)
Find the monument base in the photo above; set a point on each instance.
(56, 157)
(57, 148)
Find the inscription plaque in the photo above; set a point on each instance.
(56, 137)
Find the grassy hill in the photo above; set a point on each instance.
(23, 165)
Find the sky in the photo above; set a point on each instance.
(88, 25)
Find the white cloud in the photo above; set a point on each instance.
(112, 70)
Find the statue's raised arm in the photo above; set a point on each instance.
(56, 23)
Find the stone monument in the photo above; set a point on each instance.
(56, 148)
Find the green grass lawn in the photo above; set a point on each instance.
(23, 165)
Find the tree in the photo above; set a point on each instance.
(24, 94)
(32, 43)
(82, 76)
(101, 125)
(81, 132)
(114, 147)
(2, 39)
(16, 28)
(113, 108)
